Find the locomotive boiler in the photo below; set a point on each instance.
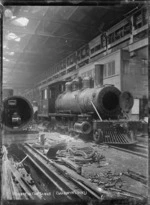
(106, 100)
(99, 112)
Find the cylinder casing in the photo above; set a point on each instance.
(83, 127)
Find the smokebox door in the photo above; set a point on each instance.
(126, 101)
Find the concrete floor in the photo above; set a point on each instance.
(106, 167)
(113, 164)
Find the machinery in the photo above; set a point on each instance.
(17, 116)
(100, 112)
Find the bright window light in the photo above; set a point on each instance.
(18, 39)
(12, 36)
(22, 21)
(11, 53)
(8, 13)
(5, 59)
(4, 81)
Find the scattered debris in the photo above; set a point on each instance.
(73, 165)
(17, 182)
(53, 149)
(42, 139)
(136, 176)
(81, 158)
(127, 194)
(97, 157)
(83, 161)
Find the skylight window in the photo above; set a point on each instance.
(17, 39)
(4, 81)
(5, 59)
(8, 13)
(5, 46)
(22, 21)
(11, 53)
(12, 36)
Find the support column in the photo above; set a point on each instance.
(99, 74)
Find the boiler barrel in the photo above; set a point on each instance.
(17, 113)
(105, 99)
(68, 102)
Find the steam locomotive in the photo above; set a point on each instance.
(100, 112)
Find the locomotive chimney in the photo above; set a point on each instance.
(68, 86)
(75, 84)
(99, 74)
(86, 82)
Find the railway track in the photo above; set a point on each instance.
(68, 184)
(136, 149)
(63, 183)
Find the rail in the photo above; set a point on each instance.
(66, 181)
(133, 149)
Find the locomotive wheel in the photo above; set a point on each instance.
(98, 136)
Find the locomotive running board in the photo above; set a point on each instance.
(61, 115)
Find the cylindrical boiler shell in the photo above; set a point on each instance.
(19, 105)
(105, 99)
(68, 102)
